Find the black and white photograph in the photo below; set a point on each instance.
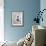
(17, 18)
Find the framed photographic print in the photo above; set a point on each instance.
(17, 18)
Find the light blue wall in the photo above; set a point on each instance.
(29, 7)
(43, 6)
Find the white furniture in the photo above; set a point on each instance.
(39, 35)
